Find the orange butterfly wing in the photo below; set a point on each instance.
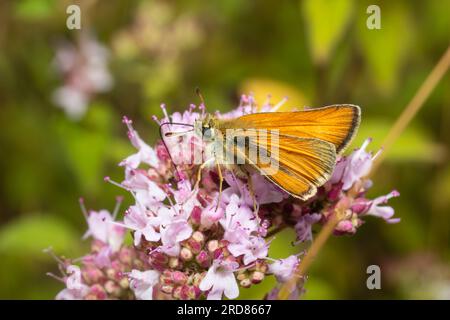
(336, 124)
(302, 164)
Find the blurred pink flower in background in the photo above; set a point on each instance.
(84, 71)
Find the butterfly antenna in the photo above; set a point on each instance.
(199, 94)
(202, 105)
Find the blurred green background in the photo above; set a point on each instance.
(315, 52)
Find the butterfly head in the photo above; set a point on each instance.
(206, 128)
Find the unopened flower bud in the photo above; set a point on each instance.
(360, 205)
(203, 259)
(176, 293)
(112, 288)
(196, 215)
(166, 278)
(212, 245)
(199, 237)
(138, 264)
(194, 292)
(186, 254)
(261, 266)
(167, 289)
(184, 294)
(179, 277)
(197, 278)
(97, 245)
(194, 246)
(124, 283)
(344, 227)
(219, 252)
(196, 242)
(174, 262)
(245, 283)
(96, 292)
(92, 275)
(257, 277)
(223, 243)
(241, 276)
(125, 256)
(112, 274)
(230, 258)
(159, 257)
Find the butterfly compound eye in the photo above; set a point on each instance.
(207, 133)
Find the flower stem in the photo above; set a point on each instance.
(318, 243)
(414, 106)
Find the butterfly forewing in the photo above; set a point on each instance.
(301, 145)
(336, 124)
(299, 165)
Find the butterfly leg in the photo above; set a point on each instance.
(199, 177)
(199, 172)
(252, 192)
(244, 173)
(219, 172)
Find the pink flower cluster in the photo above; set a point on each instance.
(189, 245)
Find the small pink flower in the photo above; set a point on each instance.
(146, 191)
(211, 215)
(173, 234)
(239, 111)
(283, 269)
(252, 249)
(187, 117)
(102, 258)
(361, 205)
(248, 105)
(220, 280)
(185, 147)
(339, 169)
(185, 197)
(137, 219)
(265, 191)
(303, 226)
(183, 191)
(239, 221)
(142, 283)
(75, 288)
(346, 227)
(101, 227)
(145, 153)
(358, 165)
(385, 212)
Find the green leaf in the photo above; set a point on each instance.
(31, 234)
(34, 9)
(385, 49)
(326, 22)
